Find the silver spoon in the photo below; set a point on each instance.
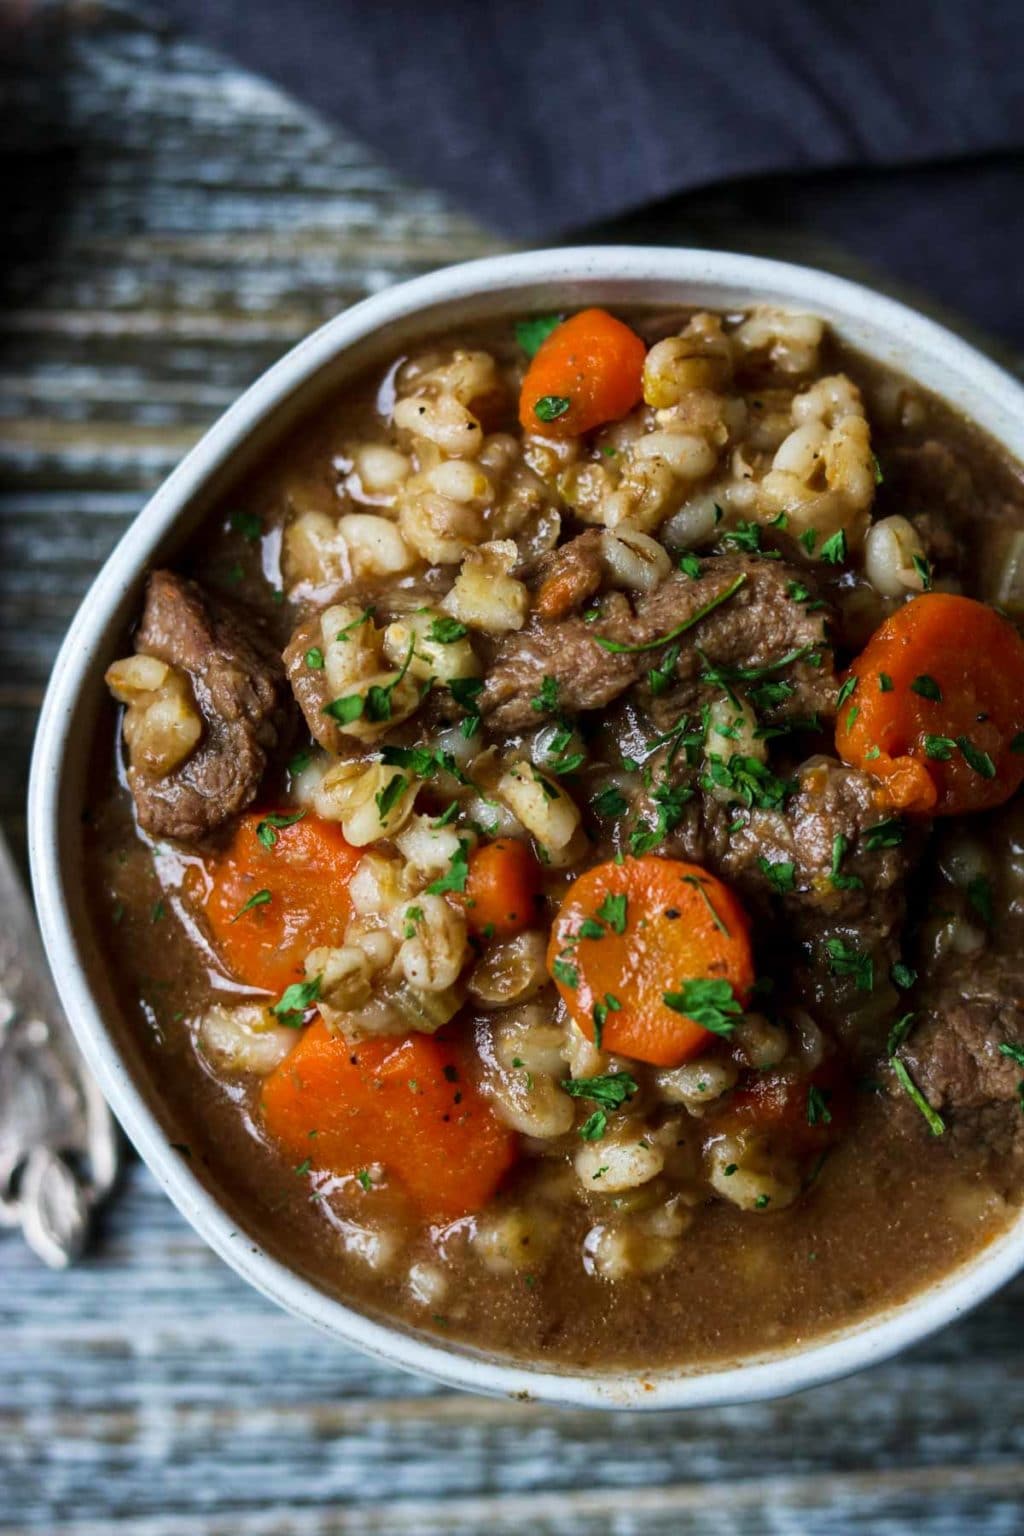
(60, 1149)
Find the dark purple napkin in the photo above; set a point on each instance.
(548, 116)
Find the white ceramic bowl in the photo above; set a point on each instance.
(371, 331)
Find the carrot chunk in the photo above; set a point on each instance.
(275, 893)
(587, 372)
(653, 957)
(934, 707)
(406, 1103)
(502, 888)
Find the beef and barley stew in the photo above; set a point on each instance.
(560, 849)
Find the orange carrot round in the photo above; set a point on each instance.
(275, 893)
(934, 707)
(637, 944)
(502, 888)
(587, 372)
(405, 1103)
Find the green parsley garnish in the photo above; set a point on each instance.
(268, 828)
(458, 870)
(936, 1124)
(708, 1001)
(834, 549)
(530, 334)
(840, 845)
(690, 566)
(611, 802)
(926, 687)
(846, 690)
(884, 834)
(258, 899)
(315, 658)
(390, 795)
(939, 748)
(818, 1112)
(899, 1032)
(547, 696)
(446, 631)
(290, 1008)
(976, 759)
(652, 645)
(610, 1091)
(613, 912)
(367, 613)
(550, 407)
(885, 683)
(247, 524)
(979, 894)
(847, 960)
(781, 874)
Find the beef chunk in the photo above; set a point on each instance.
(571, 574)
(953, 1053)
(238, 685)
(755, 628)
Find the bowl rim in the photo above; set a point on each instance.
(921, 341)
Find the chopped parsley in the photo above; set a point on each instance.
(248, 525)
(780, 873)
(936, 1124)
(979, 894)
(924, 570)
(413, 917)
(268, 828)
(797, 592)
(658, 678)
(391, 794)
(458, 871)
(690, 566)
(927, 688)
(748, 781)
(846, 690)
(424, 762)
(885, 683)
(315, 658)
(446, 631)
(365, 1180)
(611, 802)
(613, 912)
(818, 1112)
(840, 845)
(257, 899)
(345, 710)
(290, 1008)
(847, 960)
(566, 974)
(465, 691)
(532, 333)
(610, 1091)
(708, 1001)
(617, 648)
(976, 759)
(547, 696)
(834, 549)
(903, 976)
(343, 634)
(884, 834)
(669, 801)
(899, 1032)
(594, 1127)
(550, 407)
(299, 763)
(939, 748)
(809, 539)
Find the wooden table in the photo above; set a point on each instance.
(172, 227)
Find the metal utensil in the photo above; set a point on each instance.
(59, 1146)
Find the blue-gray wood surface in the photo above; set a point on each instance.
(169, 227)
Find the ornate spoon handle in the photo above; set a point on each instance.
(59, 1147)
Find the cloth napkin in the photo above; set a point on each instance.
(895, 129)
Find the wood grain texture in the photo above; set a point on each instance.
(174, 226)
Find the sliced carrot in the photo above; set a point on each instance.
(587, 372)
(273, 897)
(407, 1104)
(934, 707)
(502, 888)
(628, 936)
(807, 1113)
